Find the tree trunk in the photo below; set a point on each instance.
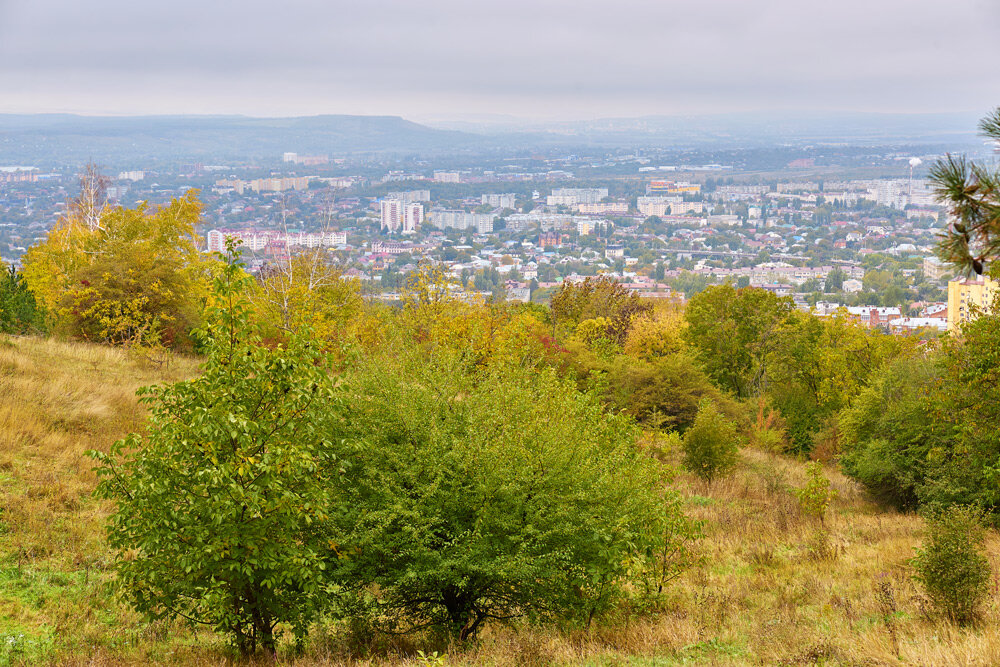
(264, 629)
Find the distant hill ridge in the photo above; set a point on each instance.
(67, 139)
(70, 138)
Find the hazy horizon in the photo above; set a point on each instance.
(536, 61)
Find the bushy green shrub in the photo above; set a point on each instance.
(952, 566)
(924, 433)
(890, 436)
(475, 499)
(768, 439)
(711, 445)
(665, 393)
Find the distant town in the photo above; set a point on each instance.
(851, 233)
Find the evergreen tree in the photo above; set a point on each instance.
(19, 312)
(972, 192)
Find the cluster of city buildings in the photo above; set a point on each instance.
(277, 184)
(18, 175)
(272, 241)
(808, 239)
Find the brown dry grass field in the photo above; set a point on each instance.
(774, 588)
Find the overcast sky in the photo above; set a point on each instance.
(531, 58)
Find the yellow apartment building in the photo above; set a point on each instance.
(968, 296)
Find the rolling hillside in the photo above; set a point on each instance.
(774, 587)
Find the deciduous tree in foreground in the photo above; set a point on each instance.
(511, 496)
(220, 499)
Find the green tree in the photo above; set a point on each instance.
(663, 393)
(471, 501)
(901, 438)
(304, 291)
(822, 214)
(835, 280)
(19, 312)
(924, 432)
(218, 502)
(815, 496)
(876, 281)
(818, 365)
(711, 447)
(733, 332)
(690, 283)
(598, 297)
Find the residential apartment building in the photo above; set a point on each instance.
(410, 196)
(687, 207)
(659, 186)
(615, 251)
(18, 174)
(935, 269)
(658, 206)
(265, 184)
(399, 216)
(481, 223)
(258, 240)
(447, 177)
(969, 297)
(606, 208)
(505, 200)
(305, 160)
(576, 196)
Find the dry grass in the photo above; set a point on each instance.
(775, 587)
(58, 400)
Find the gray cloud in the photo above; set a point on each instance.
(525, 57)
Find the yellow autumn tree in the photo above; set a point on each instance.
(305, 290)
(437, 315)
(657, 335)
(133, 278)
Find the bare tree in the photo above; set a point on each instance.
(286, 287)
(91, 204)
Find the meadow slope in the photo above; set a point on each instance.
(775, 586)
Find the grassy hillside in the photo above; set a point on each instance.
(775, 586)
(58, 400)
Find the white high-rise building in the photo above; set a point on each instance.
(398, 215)
(504, 200)
(574, 196)
(482, 223)
(392, 214)
(897, 193)
(413, 215)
